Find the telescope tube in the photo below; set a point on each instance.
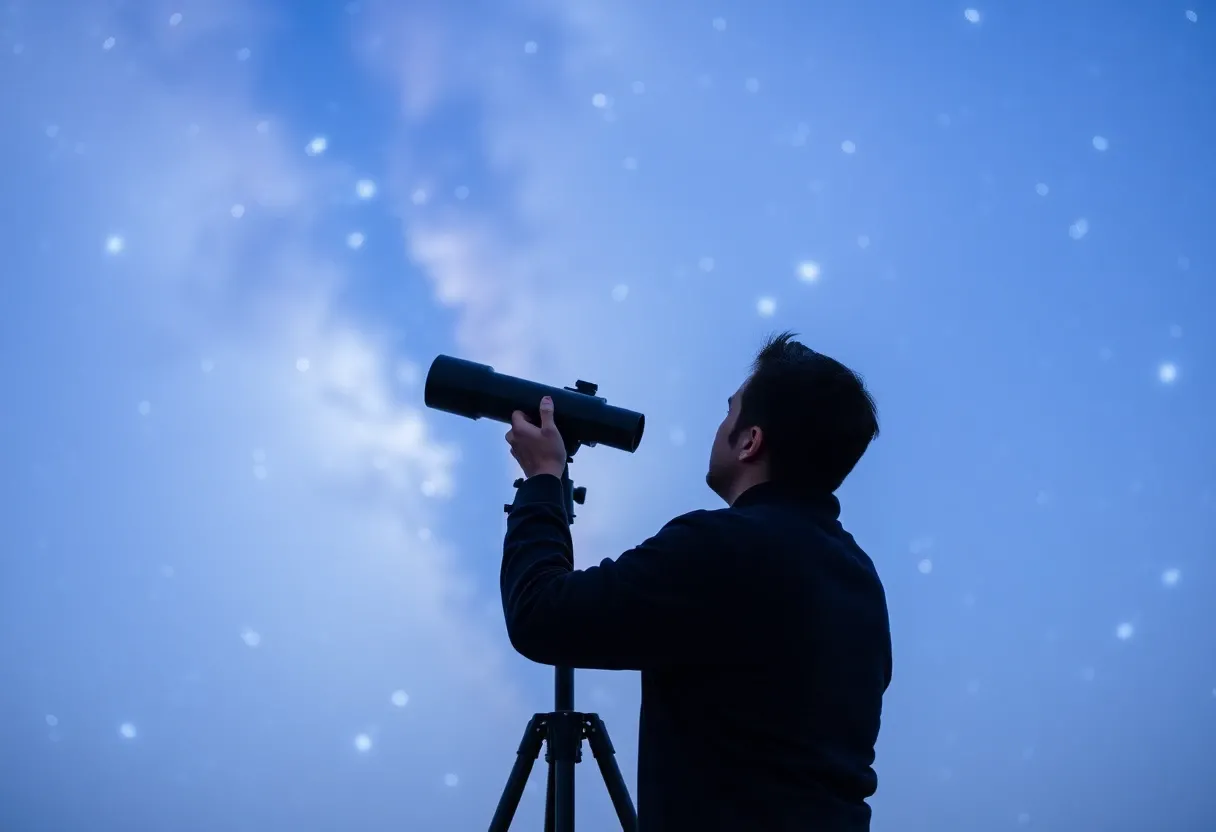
(475, 391)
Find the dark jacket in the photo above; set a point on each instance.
(762, 636)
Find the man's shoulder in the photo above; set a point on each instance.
(723, 529)
(757, 527)
(706, 518)
(784, 528)
(706, 528)
(695, 520)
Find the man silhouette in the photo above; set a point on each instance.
(760, 629)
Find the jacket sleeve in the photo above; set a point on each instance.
(659, 604)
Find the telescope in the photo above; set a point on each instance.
(476, 391)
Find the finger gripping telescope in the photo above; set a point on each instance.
(475, 391)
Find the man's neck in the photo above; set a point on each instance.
(743, 484)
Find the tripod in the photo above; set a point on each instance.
(563, 731)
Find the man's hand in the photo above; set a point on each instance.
(537, 449)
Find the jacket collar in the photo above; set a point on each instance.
(771, 492)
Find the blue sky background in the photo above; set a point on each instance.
(249, 582)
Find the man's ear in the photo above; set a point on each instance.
(752, 445)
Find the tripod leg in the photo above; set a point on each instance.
(563, 796)
(529, 750)
(550, 798)
(565, 749)
(605, 755)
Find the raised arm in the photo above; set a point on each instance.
(664, 602)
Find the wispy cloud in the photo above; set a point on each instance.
(204, 229)
(210, 225)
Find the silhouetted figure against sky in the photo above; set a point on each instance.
(760, 629)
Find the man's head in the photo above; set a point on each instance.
(800, 419)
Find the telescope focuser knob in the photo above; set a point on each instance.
(580, 494)
(518, 483)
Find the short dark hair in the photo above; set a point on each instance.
(816, 414)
